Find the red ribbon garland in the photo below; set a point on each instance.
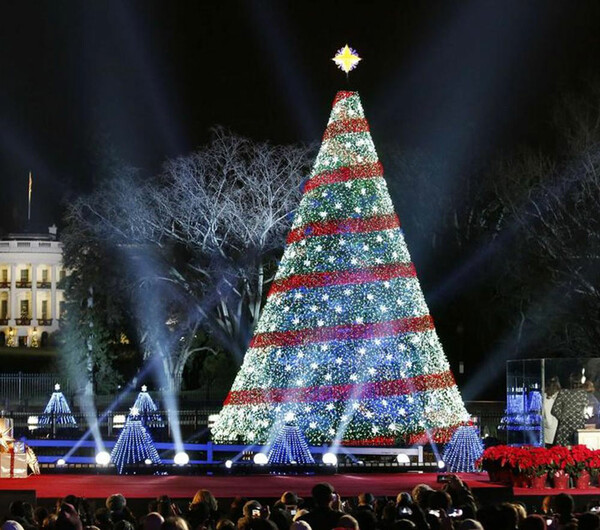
(314, 394)
(11, 452)
(342, 94)
(344, 174)
(344, 277)
(354, 125)
(343, 332)
(344, 226)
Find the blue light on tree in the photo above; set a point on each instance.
(135, 445)
(290, 446)
(463, 450)
(147, 409)
(57, 410)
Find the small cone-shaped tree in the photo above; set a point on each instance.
(345, 341)
(57, 408)
(290, 447)
(147, 409)
(463, 450)
(135, 445)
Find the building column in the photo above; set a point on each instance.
(53, 310)
(33, 294)
(13, 295)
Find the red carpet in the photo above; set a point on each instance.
(257, 486)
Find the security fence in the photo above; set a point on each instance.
(20, 388)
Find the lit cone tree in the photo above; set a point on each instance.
(289, 446)
(147, 409)
(134, 445)
(345, 341)
(58, 410)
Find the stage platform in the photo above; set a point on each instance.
(228, 486)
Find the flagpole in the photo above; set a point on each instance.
(29, 201)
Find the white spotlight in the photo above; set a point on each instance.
(147, 461)
(102, 458)
(181, 459)
(403, 458)
(329, 459)
(228, 464)
(441, 464)
(260, 459)
(61, 462)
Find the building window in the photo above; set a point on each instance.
(45, 275)
(24, 275)
(61, 309)
(4, 275)
(4, 309)
(63, 274)
(44, 309)
(24, 308)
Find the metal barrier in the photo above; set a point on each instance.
(17, 388)
(36, 425)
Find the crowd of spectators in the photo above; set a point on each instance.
(451, 508)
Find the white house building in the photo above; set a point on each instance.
(31, 304)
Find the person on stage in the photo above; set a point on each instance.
(550, 422)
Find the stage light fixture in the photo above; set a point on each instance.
(441, 464)
(147, 461)
(61, 462)
(119, 421)
(260, 459)
(403, 458)
(228, 464)
(329, 459)
(181, 459)
(102, 458)
(32, 423)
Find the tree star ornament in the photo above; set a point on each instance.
(346, 59)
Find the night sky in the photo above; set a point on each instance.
(144, 81)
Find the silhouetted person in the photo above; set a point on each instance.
(322, 516)
(364, 513)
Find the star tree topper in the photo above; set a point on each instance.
(346, 59)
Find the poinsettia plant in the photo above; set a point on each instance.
(537, 461)
(581, 456)
(540, 459)
(561, 459)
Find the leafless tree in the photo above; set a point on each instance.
(200, 240)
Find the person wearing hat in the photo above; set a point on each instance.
(285, 509)
(364, 512)
(322, 516)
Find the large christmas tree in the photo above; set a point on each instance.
(345, 341)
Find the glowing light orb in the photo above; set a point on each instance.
(56, 387)
(61, 462)
(402, 458)
(147, 461)
(260, 459)
(329, 459)
(181, 458)
(102, 458)
(441, 464)
(228, 464)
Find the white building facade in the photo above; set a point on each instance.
(31, 303)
